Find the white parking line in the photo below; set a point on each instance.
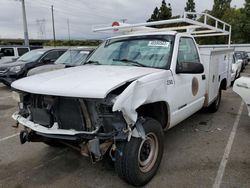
(8, 137)
(228, 148)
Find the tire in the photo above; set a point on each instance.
(216, 104)
(140, 159)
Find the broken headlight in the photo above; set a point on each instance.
(17, 96)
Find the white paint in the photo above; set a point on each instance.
(228, 148)
(8, 137)
(242, 88)
(88, 81)
(39, 128)
(6, 59)
(218, 65)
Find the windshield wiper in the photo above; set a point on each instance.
(92, 62)
(130, 61)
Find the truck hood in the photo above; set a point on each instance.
(45, 68)
(88, 81)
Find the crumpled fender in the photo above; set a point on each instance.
(148, 89)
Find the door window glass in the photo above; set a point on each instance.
(52, 55)
(187, 51)
(22, 51)
(7, 51)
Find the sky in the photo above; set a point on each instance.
(80, 15)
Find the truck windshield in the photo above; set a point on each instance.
(73, 57)
(146, 51)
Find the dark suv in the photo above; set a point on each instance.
(18, 69)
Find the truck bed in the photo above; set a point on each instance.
(217, 64)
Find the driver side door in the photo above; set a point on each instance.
(189, 87)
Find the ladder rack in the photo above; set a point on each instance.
(209, 26)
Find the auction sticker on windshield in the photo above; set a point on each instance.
(84, 52)
(157, 43)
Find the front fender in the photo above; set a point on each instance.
(148, 89)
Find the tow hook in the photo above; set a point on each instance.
(24, 136)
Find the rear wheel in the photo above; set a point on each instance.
(140, 158)
(216, 104)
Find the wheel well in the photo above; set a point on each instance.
(157, 110)
(223, 84)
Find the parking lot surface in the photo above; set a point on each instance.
(205, 150)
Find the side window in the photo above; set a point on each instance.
(22, 51)
(7, 51)
(187, 51)
(52, 56)
(61, 53)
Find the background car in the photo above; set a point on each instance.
(12, 71)
(72, 57)
(242, 55)
(236, 68)
(246, 57)
(12, 53)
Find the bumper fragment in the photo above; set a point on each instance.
(54, 130)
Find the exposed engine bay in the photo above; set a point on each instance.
(95, 126)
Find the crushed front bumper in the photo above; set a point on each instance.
(55, 132)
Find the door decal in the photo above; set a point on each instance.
(195, 86)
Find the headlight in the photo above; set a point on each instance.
(15, 69)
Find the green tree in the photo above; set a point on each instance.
(246, 22)
(154, 16)
(235, 17)
(165, 11)
(190, 7)
(220, 7)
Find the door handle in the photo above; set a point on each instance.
(203, 77)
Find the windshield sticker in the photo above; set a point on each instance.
(157, 43)
(40, 52)
(84, 52)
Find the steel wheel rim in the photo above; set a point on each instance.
(148, 153)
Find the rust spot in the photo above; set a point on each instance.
(195, 86)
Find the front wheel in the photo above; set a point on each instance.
(140, 158)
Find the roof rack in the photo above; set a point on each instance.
(205, 27)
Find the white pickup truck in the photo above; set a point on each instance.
(131, 89)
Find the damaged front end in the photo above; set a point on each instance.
(87, 124)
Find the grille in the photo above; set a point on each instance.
(67, 112)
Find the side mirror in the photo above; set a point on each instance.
(188, 67)
(1, 55)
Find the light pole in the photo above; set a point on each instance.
(53, 24)
(25, 27)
